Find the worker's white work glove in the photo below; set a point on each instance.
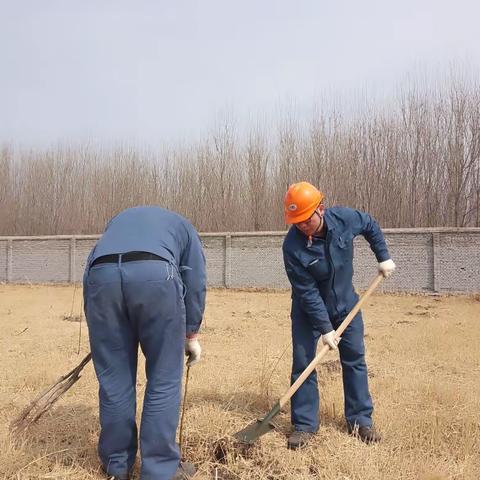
(330, 340)
(387, 267)
(193, 350)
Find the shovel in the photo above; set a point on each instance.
(250, 434)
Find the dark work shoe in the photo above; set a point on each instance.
(299, 439)
(365, 433)
(185, 471)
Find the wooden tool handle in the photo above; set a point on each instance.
(326, 348)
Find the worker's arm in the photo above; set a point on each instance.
(306, 290)
(364, 224)
(193, 272)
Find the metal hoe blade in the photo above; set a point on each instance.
(250, 434)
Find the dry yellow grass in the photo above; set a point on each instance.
(424, 364)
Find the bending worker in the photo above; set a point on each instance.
(318, 257)
(144, 285)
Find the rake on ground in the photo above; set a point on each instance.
(44, 401)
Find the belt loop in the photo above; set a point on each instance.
(170, 270)
(120, 259)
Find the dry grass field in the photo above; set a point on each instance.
(424, 359)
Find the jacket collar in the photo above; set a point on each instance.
(330, 221)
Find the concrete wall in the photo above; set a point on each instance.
(428, 260)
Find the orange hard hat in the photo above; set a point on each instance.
(301, 201)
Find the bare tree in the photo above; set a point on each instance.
(257, 158)
(416, 163)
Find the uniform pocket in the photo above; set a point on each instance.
(319, 269)
(103, 273)
(345, 241)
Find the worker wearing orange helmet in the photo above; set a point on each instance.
(318, 257)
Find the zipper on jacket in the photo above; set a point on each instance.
(329, 238)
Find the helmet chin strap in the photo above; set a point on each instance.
(320, 227)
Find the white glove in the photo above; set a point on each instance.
(387, 267)
(193, 350)
(330, 340)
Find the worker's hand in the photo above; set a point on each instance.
(330, 340)
(193, 350)
(387, 267)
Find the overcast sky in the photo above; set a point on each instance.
(155, 71)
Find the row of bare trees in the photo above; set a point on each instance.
(414, 164)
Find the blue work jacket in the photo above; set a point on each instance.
(321, 270)
(168, 235)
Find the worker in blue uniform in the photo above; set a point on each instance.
(318, 258)
(144, 284)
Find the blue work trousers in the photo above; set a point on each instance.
(305, 402)
(127, 305)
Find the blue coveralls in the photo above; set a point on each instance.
(151, 303)
(320, 272)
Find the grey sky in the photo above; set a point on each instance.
(156, 71)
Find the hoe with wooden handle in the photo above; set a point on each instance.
(249, 434)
